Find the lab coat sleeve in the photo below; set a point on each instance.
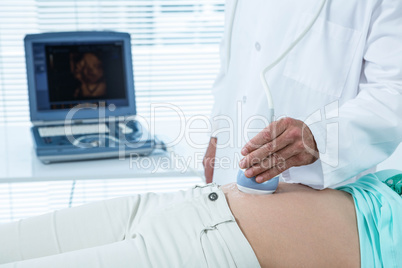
(366, 130)
(217, 89)
(224, 49)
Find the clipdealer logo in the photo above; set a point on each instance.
(239, 130)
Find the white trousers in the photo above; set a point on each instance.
(193, 228)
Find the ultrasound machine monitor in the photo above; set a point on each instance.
(82, 96)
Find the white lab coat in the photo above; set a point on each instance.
(347, 70)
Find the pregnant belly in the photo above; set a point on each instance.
(298, 226)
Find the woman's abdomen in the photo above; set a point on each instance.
(298, 226)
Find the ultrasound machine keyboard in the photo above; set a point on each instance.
(54, 131)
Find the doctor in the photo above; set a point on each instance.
(337, 94)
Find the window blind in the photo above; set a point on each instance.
(174, 47)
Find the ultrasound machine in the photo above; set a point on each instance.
(82, 97)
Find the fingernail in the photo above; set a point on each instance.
(242, 162)
(259, 179)
(248, 173)
(244, 151)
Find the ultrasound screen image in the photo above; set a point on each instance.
(84, 73)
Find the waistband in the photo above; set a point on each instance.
(222, 220)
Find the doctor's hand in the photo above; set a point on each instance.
(209, 160)
(281, 145)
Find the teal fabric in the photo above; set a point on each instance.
(395, 183)
(379, 218)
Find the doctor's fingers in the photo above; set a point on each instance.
(277, 159)
(277, 170)
(266, 150)
(271, 132)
